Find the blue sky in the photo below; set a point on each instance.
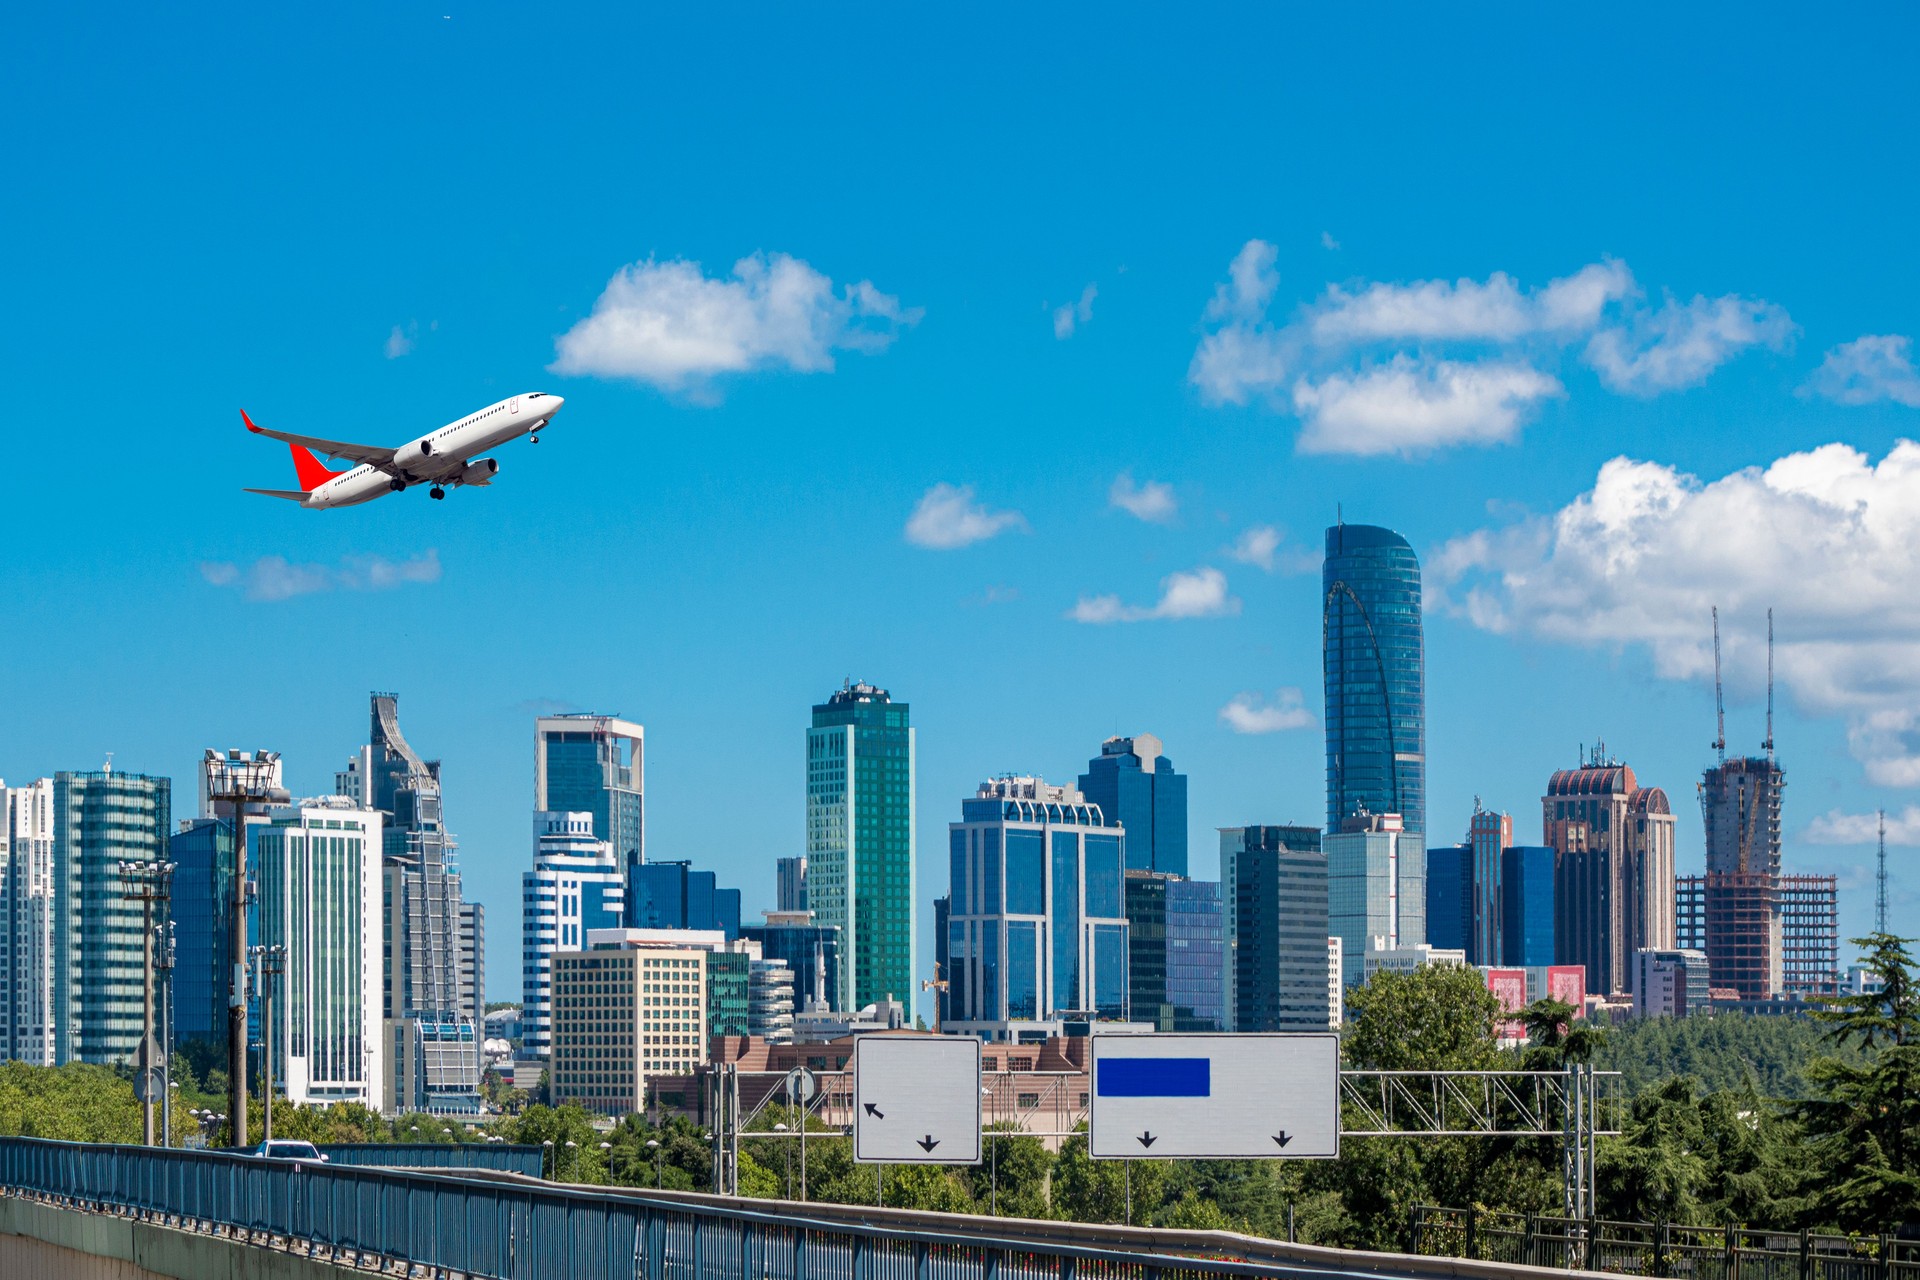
(1307, 262)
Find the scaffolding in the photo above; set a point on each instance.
(1810, 933)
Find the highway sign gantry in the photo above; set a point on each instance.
(1215, 1097)
(916, 1100)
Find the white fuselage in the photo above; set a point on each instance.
(441, 457)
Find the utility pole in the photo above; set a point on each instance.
(163, 960)
(149, 884)
(240, 780)
(271, 962)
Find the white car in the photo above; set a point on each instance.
(289, 1149)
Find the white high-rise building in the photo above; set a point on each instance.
(577, 883)
(1336, 989)
(26, 923)
(318, 867)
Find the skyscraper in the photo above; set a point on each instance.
(1526, 885)
(1176, 952)
(101, 819)
(1810, 934)
(27, 899)
(202, 854)
(1376, 889)
(432, 1037)
(1037, 929)
(1136, 785)
(1374, 663)
(791, 884)
(1273, 888)
(1613, 869)
(860, 840)
(1740, 802)
(575, 886)
(317, 865)
(594, 764)
(1450, 896)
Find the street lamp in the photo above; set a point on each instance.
(571, 1146)
(546, 1160)
(608, 1148)
(780, 1128)
(653, 1145)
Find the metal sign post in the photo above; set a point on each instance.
(800, 1088)
(916, 1100)
(1215, 1097)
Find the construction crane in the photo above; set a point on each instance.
(1719, 704)
(1768, 744)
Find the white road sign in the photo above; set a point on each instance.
(1218, 1097)
(916, 1100)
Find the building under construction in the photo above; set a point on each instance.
(1740, 803)
(1810, 934)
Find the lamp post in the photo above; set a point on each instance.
(788, 1149)
(993, 1161)
(548, 1167)
(571, 1146)
(608, 1148)
(148, 883)
(653, 1145)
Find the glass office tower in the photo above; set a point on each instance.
(1527, 886)
(1176, 952)
(1374, 665)
(672, 895)
(594, 764)
(1274, 903)
(202, 853)
(1037, 927)
(1135, 784)
(101, 819)
(860, 842)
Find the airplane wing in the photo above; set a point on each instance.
(371, 454)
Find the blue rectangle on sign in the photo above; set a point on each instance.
(1154, 1078)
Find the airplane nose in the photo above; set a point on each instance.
(558, 404)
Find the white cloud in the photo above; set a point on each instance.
(400, 341)
(1411, 406)
(1201, 593)
(1405, 368)
(1836, 826)
(1681, 343)
(1153, 501)
(668, 325)
(1256, 546)
(1826, 537)
(1253, 713)
(947, 517)
(1497, 311)
(1878, 366)
(277, 578)
(1327, 241)
(1074, 314)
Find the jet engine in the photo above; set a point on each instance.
(479, 471)
(410, 456)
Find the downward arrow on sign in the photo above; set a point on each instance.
(875, 1112)
(928, 1143)
(1147, 1139)
(1283, 1137)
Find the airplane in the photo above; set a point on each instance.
(440, 458)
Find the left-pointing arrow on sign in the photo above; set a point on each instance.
(875, 1112)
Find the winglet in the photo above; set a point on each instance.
(249, 421)
(312, 472)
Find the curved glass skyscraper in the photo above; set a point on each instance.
(1375, 668)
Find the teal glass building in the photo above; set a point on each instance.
(101, 819)
(1176, 952)
(860, 841)
(1374, 663)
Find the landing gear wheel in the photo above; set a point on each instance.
(533, 437)
(438, 493)
(396, 484)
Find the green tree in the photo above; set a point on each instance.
(1436, 1017)
(1865, 1118)
(1089, 1190)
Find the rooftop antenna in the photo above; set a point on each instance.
(1768, 744)
(1880, 906)
(1719, 704)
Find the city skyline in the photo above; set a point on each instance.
(1059, 415)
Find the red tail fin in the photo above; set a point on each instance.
(312, 472)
